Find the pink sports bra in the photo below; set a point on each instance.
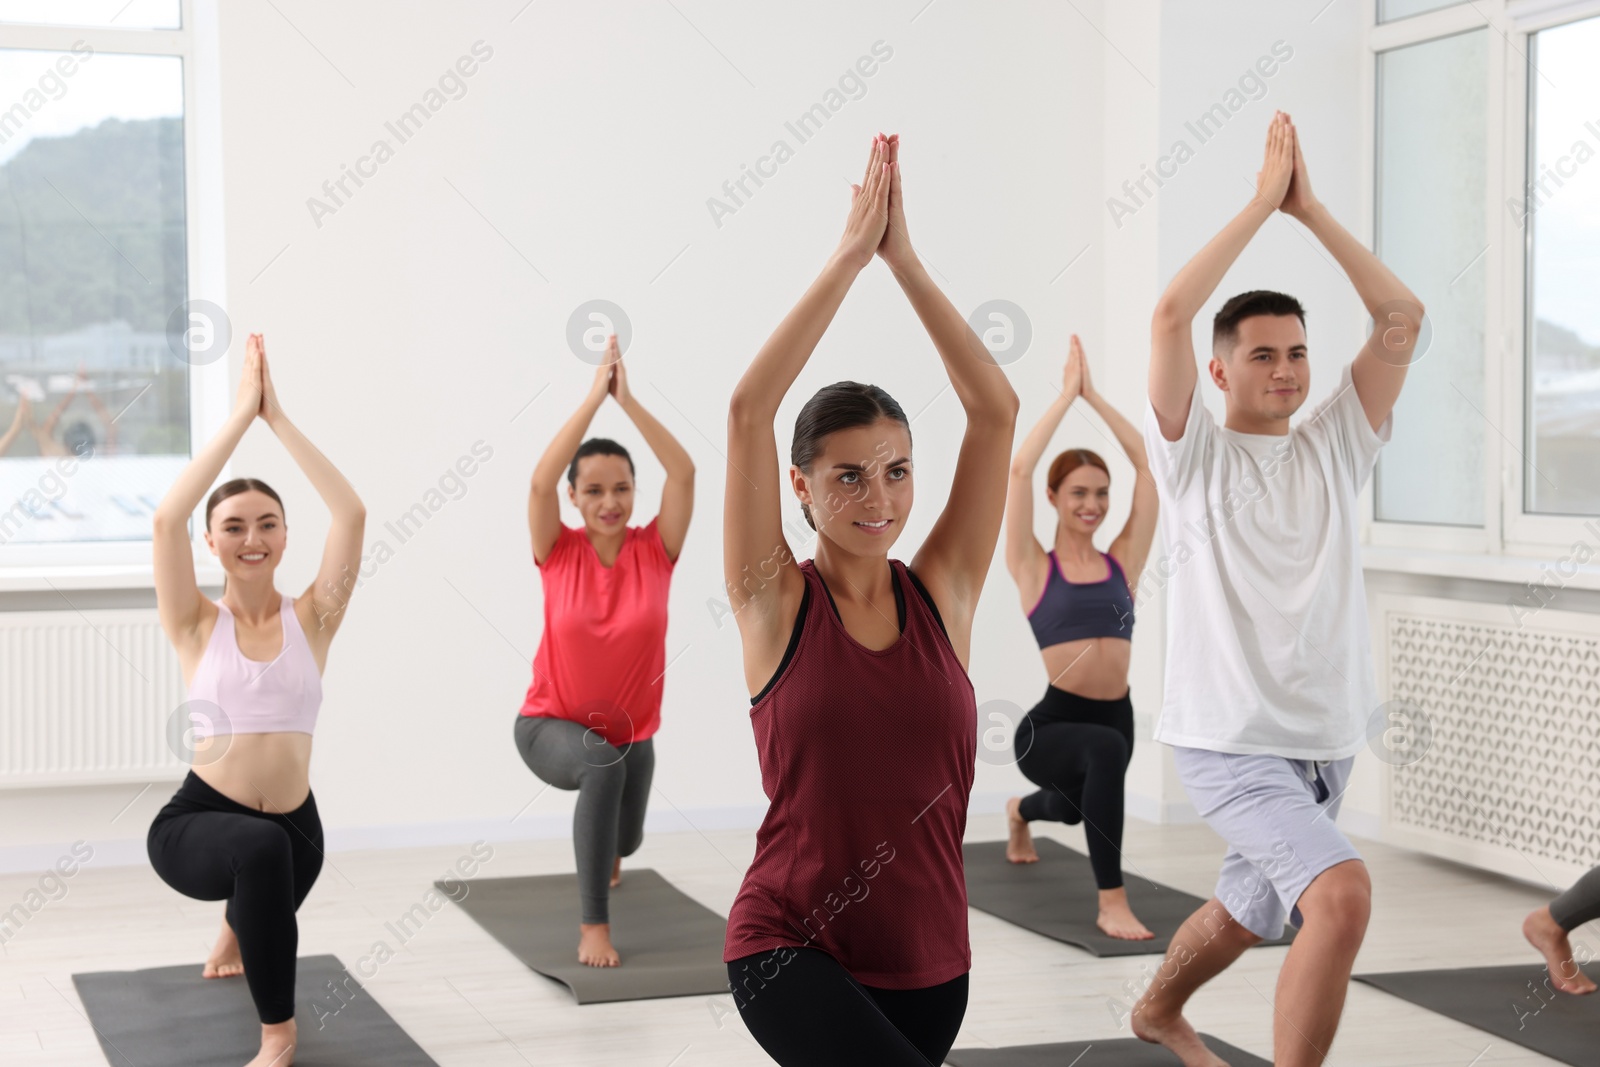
(246, 696)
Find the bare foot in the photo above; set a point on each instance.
(277, 1045)
(1550, 939)
(594, 946)
(616, 873)
(224, 961)
(1116, 919)
(1020, 848)
(1175, 1035)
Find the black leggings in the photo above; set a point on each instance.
(805, 1010)
(1077, 751)
(209, 847)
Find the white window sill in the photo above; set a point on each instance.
(1512, 570)
(92, 576)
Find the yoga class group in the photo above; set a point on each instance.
(848, 940)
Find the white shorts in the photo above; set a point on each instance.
(1276, 814)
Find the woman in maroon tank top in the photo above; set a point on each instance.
(848, 942)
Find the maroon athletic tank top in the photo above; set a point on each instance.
(867, 760)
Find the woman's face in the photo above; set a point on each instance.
(860, 488)
(248, 535)
(1082, 499)
(603, 493)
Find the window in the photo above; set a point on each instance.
(96, 276)
(1486, 200)
(121, 14)
(1432, 163)
(1389, 10)
(1560, 210)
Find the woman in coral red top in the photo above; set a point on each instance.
(595, 699)
(847, 943)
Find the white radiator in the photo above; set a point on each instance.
(85, 698)
(1511, 782)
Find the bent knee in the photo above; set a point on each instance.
(1215, 920)
(603, 771)
(1342, 894)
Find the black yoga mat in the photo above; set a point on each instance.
(172, 1017)
(1513, 1003)
(1115, 1052)
(671, 945)
(1056, 897)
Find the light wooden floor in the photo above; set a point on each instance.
(468, 1002)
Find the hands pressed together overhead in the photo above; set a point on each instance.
(257, 395)
(611, 377)
(877, 221)
(1075, 380)
(1283, 182)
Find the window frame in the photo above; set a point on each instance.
(124, 563)
(1508, 530)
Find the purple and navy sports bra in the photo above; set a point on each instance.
(1073, 611)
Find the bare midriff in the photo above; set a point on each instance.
(268, 772)
(1094, 667)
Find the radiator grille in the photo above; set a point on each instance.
(1512, 780)
(85, 698)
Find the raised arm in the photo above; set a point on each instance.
(677, 495)
(178, 597)
(341, 552)
(105, 416)
(18, 418)
(757, 565)
(1172, 367)
(54, 418)
(1026, 558)
(1379, 370)
(955, 556)
(544, 491)
(1132, 545)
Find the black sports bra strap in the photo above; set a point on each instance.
(899, 598)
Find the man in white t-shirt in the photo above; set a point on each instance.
(1269, 683)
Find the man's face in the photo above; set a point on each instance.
(1267, 374)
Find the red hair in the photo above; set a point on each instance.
(1071, 460)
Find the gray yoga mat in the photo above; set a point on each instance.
(1056, 897)
(171, 1017)
(1116, 1052)
(671, 945)
(1512, 1003)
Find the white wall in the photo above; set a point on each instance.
(426, 313)
(431, 307)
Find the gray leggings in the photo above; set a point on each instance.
(613, 788)
(1579, 904)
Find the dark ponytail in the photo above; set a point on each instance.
(597, 446)
(840, 406)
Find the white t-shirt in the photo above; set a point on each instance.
(1268, 650)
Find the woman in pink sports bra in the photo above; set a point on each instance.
(847, 943)
(1075, 744)
(243, 826)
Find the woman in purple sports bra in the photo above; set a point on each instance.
(1076, 742)
(243, 826)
